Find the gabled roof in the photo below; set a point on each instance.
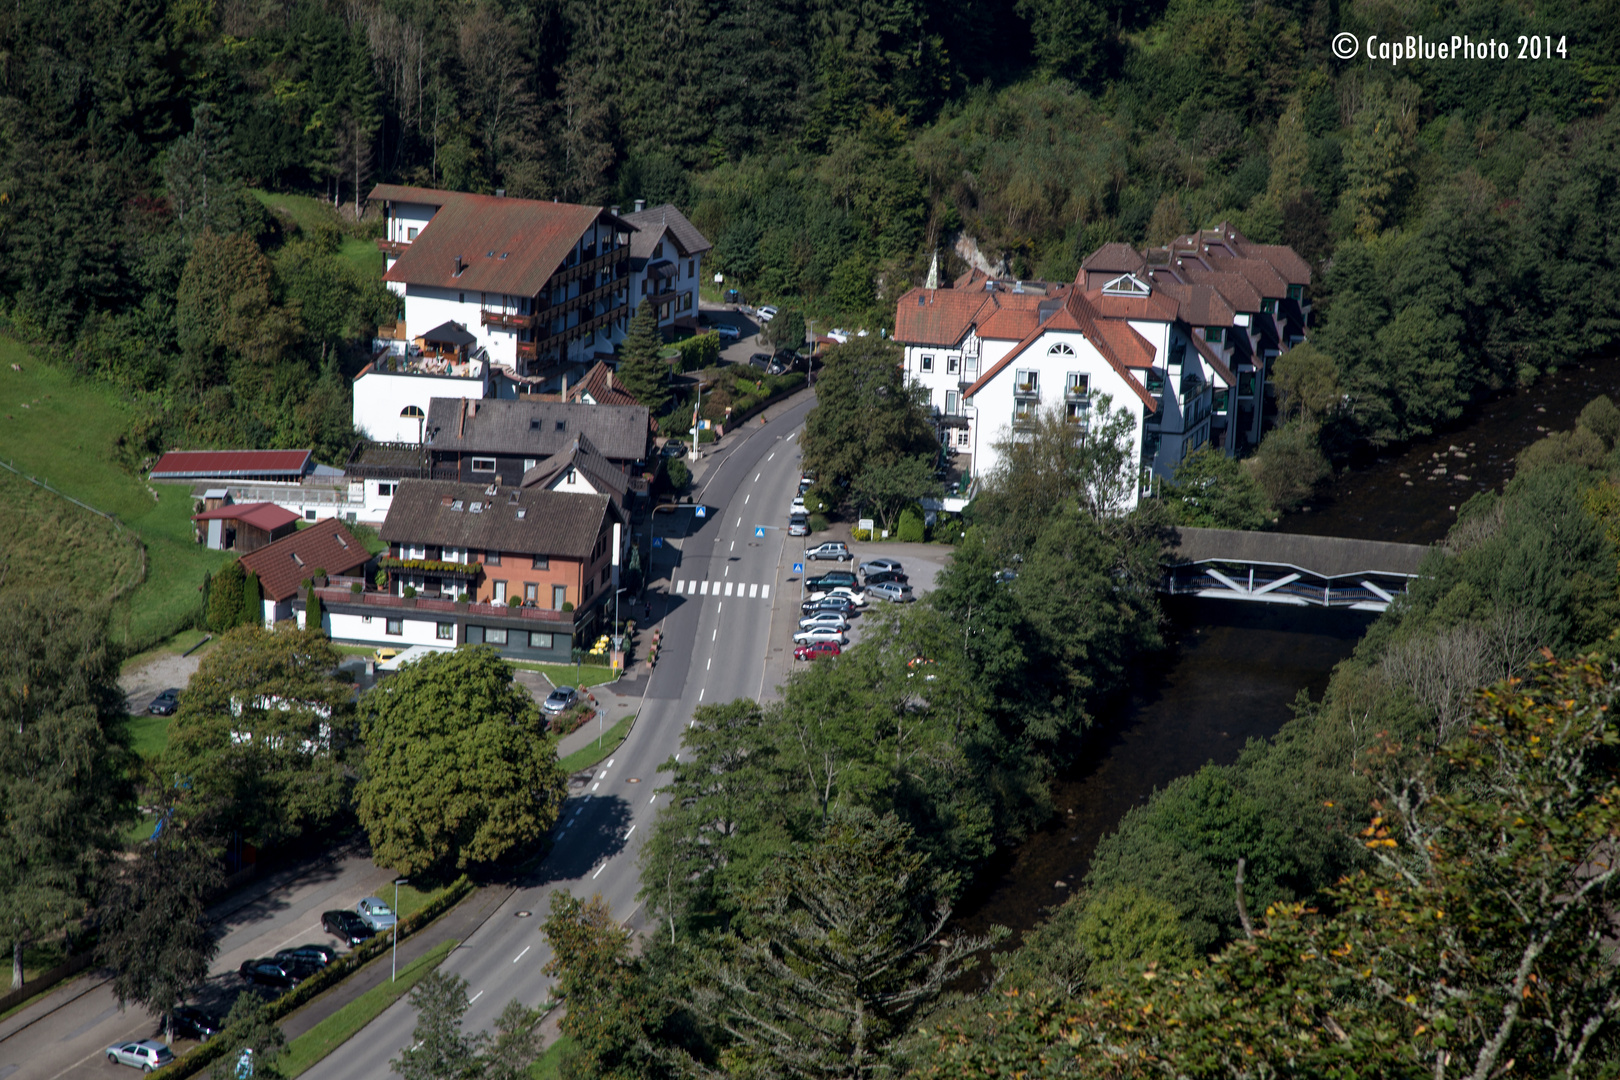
(1074, 314)
(261, 515)
(529, 521)
(939, 317)
(449, 333)
(535, 428)
(1257, 272)
(1284, 260)
(599, 385)
(650, 225)
(606, 477)
(1234, 288)
(192, 464)
(1114, 258)
(1213, 359)
(508, 246)
(325, 545)
(1133, 350)
(1155, 307)
(1198, 305)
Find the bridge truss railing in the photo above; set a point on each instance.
(1269, 583)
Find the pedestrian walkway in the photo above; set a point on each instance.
(705, 587)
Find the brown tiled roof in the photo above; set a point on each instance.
(261, 515)
(1074, 313)
(1114, 258)
(650, 225)
(529, 240)
(971, 278)
(1198, 305)
(598, 383)
(527, 521)
(603, 475)
(1284, 260)
(939, 317)
(531, 427)
(1234, 288)
(1154, 308)
(1257, 272)
(325, 545)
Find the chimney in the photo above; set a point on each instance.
(500, 193)
(614, 210)
(641, 204)
(458, 266)
(565, 386)
(610, 378)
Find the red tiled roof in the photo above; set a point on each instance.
(325, 545)
(1198, 305)
(1114, 258)
(598, 382)
(1154, 308)
(1075, 314)
(1134, 350)
(1009, 324)
(186, 464)
(533, 236)
(939, 317)
(261, 515)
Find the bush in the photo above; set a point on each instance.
(355, 588)
(514, 601)
(679, 475)
(860, 534)
(819, 523)
(1289, 463)
(699, 352)
(911, 530)
(567, 606)
(410, 592)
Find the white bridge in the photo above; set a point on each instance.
(1286, 568)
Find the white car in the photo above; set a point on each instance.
(766, 313)
(798, 503)
(820, 633)
(855, 596)
(825, 618)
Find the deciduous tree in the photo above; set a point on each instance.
(1210, 490)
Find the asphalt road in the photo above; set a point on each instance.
(66, 1034)
(717, 642)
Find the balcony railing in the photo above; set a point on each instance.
(1076, 395)
(590, 266)
(393, 249)
(505, 320)
(1027, 391)
(526, 350)
(389, 602)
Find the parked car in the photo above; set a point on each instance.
(832, 549)
(798, 502)
(347, 925)
(766, 313)
(798, 524)
(891, 591)
(318, 955)
(841, 604)
(820, 633)
(165, 703)
(834, 619)
(376, 914)
(816, 650)
(830, 579)
(190, 1022)
(145, 1054)
(851, 593)
(877, 566)
(727, 332)
(885, 578)
(561, 699)
(673, 448)
(268, 971)
(760, 360)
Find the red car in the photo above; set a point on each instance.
(817, 649)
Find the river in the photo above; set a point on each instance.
(1233, 669)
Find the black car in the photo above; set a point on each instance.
(831, 580)
(317, 955)
(760, 360)
(887, 577)
(347, 925)
(841, 604)
(190, 1022)
(165, 703)
(268, 971)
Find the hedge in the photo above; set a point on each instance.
(326, 978)
(699, 352)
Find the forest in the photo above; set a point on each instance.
(1461, 215)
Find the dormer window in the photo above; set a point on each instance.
(1268, 305)
(1127, 285)
(1296, 293)
(1215, 335)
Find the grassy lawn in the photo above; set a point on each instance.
(565, 674)
(546, 1068)
(54, 544)
(310, 212)
(148, 734)
(335, 1030)
(587, 756)
(67, 436)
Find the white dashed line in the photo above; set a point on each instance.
(596, 785)
(710, 665)
(522, 954)
(652, 800)
(715, 635)
(790, 438)
(599, 869)
(739, 523)
(734, 545)
(773, 454)
(632, 829)
(758, 475)
(480, 994)
(746, 498)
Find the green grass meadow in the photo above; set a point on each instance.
(309, 212)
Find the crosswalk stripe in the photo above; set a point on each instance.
(693, 587)
(764, 592)
(728, 588)
(753, 591)
(704, 588)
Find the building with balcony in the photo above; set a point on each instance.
(393, 392)
(538, 285)
(283, 566)
(666, 264)
(499, 441)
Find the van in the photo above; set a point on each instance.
(798, 524)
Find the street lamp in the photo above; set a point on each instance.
(393, 972)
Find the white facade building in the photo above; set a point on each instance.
(391, 394)
(666, 264)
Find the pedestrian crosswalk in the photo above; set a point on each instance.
(745, 590)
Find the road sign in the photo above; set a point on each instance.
(702, 511)
(798, 568)
(658, 541)
(760, 531)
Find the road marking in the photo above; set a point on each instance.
(753, 591)
(599, 869)
(596, 785)
(758, 475)
(608, 766)
(632, 829)
(704, 588)
(721, 606)
(480, 993)
(773, 454)
(764, 592)
(652, 800)
(709, 665)
(715, 635)
(300, 934)
(522, 954)
(728, 585)
(739, 523)
(726, 573)
(790, 438)
(733, 545)
(701, 692)
(748, 496)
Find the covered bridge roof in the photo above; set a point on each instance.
(1322, 556)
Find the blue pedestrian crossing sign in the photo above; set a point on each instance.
(702, 511)
(658, 541)
(759, 531)
(798, 568)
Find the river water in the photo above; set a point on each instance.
(1234, 668)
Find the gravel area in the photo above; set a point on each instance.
(142, 684)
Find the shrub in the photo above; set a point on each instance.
(410, 592)
(513, 601)
(679, 474)
(567, 606)
(860, 534)
(911, 530)
(355, 588)
(320, 572)
(381, 579)
(819, 523)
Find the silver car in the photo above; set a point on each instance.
(375, 913)
(892, 591)
(877, 566)
(824, 618)
(145, 1054)
(820, 633)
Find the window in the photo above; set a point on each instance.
(540, 640)
(446, 631)
(691, 268)
(309, 515)
(962, 437)
(951, 364)
(1029, 381)
(590, 591)
(1246, 384)
(1155, 380)
(953, 403)
(643, 286)
(492, 558)
(1215, 334)
(542, 562)
(463, 297)
(686, 302)
(500, 591)
(1296, 292)
(925, 364)
(483, 464)
(1023, 412)
(385, 489)
(417, 551)
(410, 233)
(1077, 412)
(1077, 384)
(1268, 305)
(1220, 399)
(1060, 349)
(531, 592)
(604, 575)
(559, 597)
(658, 252)
(528, 463)
(494, 635)
(396, 626)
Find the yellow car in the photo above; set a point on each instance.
(385, 653)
